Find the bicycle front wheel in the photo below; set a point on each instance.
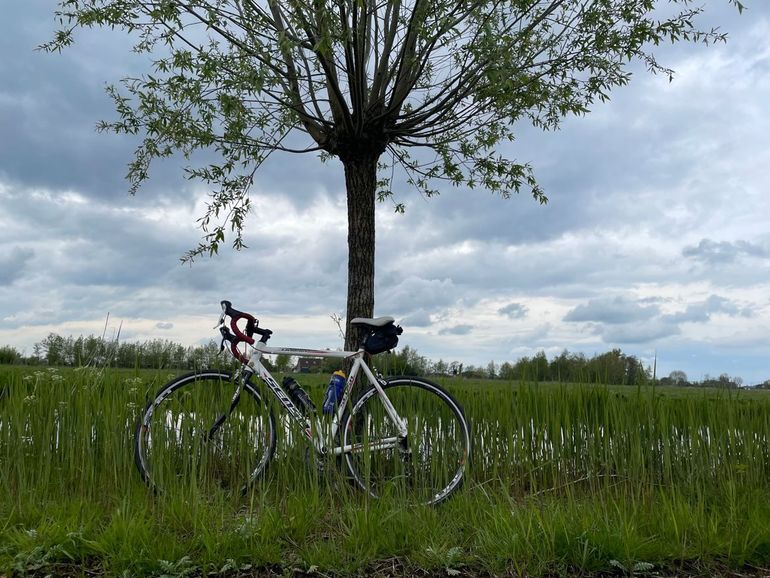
(195, 434)
(428, 463)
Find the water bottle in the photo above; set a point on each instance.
(298, 395)
(334, 391)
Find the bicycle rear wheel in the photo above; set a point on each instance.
(426, 465)
(192, 435)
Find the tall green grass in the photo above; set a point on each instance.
(564, 479)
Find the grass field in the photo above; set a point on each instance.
(566, 480)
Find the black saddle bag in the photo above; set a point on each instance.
(382, 339)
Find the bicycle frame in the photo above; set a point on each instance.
(314, 430)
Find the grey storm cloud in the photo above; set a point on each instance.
(703, 311)
(612, 311)
(623, 320)
(717, 252)
(51, 103)
(633, 334)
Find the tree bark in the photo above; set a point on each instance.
(361, 184)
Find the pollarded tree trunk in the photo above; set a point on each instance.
(361, 184)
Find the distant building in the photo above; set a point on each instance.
(308, 365)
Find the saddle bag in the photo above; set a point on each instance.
(382, 339)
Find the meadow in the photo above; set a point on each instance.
(566, 480)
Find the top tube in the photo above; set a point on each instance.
(264, 349)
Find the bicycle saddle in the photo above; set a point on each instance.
(376, 322)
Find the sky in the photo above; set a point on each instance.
(655, 239)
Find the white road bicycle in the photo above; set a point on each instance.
(402, 434)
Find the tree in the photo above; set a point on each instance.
(507, 371)
(283, 363)
(432, 86)
(678, 377)
(440, 367)
(9, 355)
(53, 349)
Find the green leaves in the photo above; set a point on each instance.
(439, 86)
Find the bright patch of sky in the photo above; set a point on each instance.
(655, 239)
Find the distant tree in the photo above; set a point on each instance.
(539, 367)
(53, 348)
(9, 355)
(473, 372)
(405, 361)
(724, 381)
(678, 377)
(369, 83)
(330, 365)
(440, 367)
(507, 371)
(491, 370)
(636, 374)
(283, 363)
(561, 368)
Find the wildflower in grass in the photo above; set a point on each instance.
(247, 527)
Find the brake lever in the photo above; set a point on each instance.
(222, 316)
(226, 336)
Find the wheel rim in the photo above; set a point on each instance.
(176, 447)
(427, 465)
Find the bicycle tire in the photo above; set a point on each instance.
(429, 465)
(177, 441)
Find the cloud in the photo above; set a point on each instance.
(164, 325)
(715, 253)
(12, 266)
(613, 311)
(514, 311)
(621, 320)
(702, 312)
(414, 295)
(419, 318)
(457, 330)
(634, 334)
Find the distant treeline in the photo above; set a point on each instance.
(613, 367)
(56, 350)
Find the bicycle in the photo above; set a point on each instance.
(403, 434)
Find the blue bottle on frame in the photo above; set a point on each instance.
(334, 391)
